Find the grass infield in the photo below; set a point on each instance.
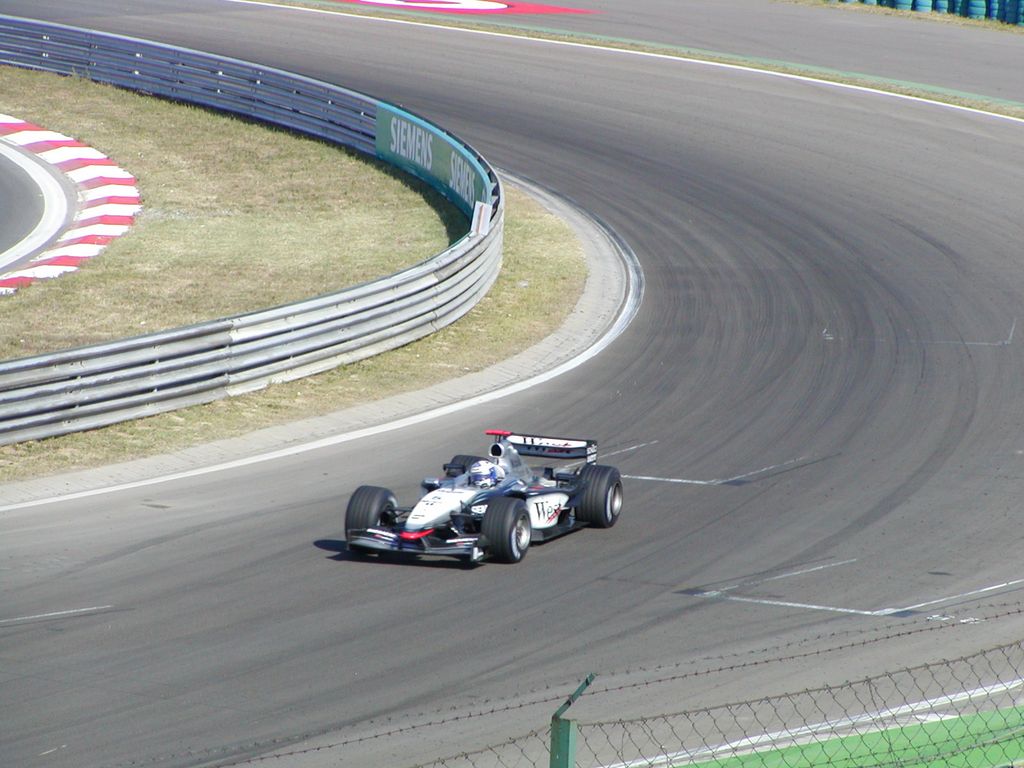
(236, 217)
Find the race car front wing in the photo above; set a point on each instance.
(468, 547)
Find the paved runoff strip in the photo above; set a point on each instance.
(108, 201)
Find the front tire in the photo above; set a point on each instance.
(369, 506)
(506, 526)
(601, 500)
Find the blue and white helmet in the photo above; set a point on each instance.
(485, 474)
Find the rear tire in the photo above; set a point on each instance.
(460, 464)
(601, 500)
(506, 526)
(369, 506)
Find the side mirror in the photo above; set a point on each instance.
(430, 484)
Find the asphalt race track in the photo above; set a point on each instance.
(824, 388)
(21, 207)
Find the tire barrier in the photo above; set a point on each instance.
(102, 384)
(1006, 11)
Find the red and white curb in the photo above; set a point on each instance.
(108, 201)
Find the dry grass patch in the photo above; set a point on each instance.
(186, 261)
(236, 217)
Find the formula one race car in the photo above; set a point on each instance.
(493, 506)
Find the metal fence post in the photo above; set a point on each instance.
(563, 732)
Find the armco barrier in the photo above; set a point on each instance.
(102, 384)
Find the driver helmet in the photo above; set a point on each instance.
(485, 474)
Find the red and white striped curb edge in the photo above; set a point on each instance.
(108, 201)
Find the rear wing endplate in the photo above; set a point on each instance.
(565, 448)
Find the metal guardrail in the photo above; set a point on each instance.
(88, 387)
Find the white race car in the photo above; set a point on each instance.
(493, 506)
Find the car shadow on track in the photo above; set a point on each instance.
(342, 555)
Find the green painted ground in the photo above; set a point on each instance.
(987, 740)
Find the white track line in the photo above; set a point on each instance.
(789, 604)
(57, 614)
(972, 593)
(777, 577)
(1004, 343)
(630, 449)
(830, 336)
(725, 481)
(718, 594)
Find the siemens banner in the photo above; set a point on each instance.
(420, 148)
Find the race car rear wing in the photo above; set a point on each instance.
(565, 448)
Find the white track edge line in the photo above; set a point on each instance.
(57, 614)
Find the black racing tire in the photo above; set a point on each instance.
(368, 507)
(452, 468)
(601, 501)
(506, 527)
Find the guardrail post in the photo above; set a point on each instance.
(563, 732)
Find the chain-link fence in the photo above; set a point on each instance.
(966, 712)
